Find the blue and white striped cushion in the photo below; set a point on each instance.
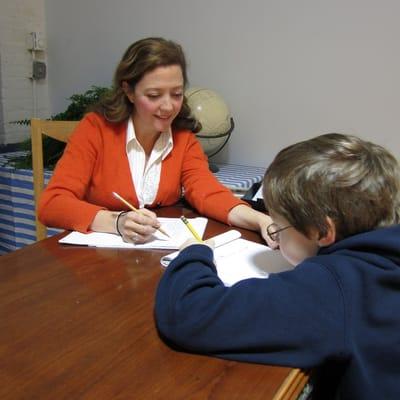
(17, 211)
(239, 177)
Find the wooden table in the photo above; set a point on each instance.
(77, 323)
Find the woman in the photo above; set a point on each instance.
(139, 142)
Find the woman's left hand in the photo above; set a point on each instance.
(244, 216)
(264, 223)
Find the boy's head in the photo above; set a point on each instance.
(334, 179)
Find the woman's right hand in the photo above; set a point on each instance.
(137, 226)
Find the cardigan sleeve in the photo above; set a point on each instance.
(62, 203)
(201, 188)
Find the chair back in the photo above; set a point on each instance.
(59, 130)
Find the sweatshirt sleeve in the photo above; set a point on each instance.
(62, 203)
(202, 188)
(293, 318)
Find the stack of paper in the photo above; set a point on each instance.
(175, 228)
(237, 259)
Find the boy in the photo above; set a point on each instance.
(334, 201)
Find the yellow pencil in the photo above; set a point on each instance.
(135, 209)
(191, 229)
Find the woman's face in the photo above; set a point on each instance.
(157, 99)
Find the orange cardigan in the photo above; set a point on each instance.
(95, 164)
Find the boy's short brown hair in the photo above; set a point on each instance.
(354, 182)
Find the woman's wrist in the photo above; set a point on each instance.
(246, 217)
(117, 221)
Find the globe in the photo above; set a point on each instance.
(210, 109)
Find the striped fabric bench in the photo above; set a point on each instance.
(17, 213)
(239, 178)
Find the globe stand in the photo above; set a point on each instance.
(213, 167)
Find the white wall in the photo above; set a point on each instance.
(288, 69)
(18, 99)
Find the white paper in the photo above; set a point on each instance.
(177, 230)
(237, 259)
(243, 259)
(219, 240)
(259, 194)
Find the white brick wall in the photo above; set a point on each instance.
(17, 19)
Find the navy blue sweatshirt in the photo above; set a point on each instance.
(338, 311)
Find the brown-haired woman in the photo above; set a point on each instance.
(139, 142)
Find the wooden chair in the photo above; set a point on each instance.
(59, 130)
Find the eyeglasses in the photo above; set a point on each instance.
(273, 231)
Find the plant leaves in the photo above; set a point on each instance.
(52, 148)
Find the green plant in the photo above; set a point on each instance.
(53, 149)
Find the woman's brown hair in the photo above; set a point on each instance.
(140, 58)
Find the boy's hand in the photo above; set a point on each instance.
(189, 242)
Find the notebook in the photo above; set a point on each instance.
(176, 229)
(237, 258)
